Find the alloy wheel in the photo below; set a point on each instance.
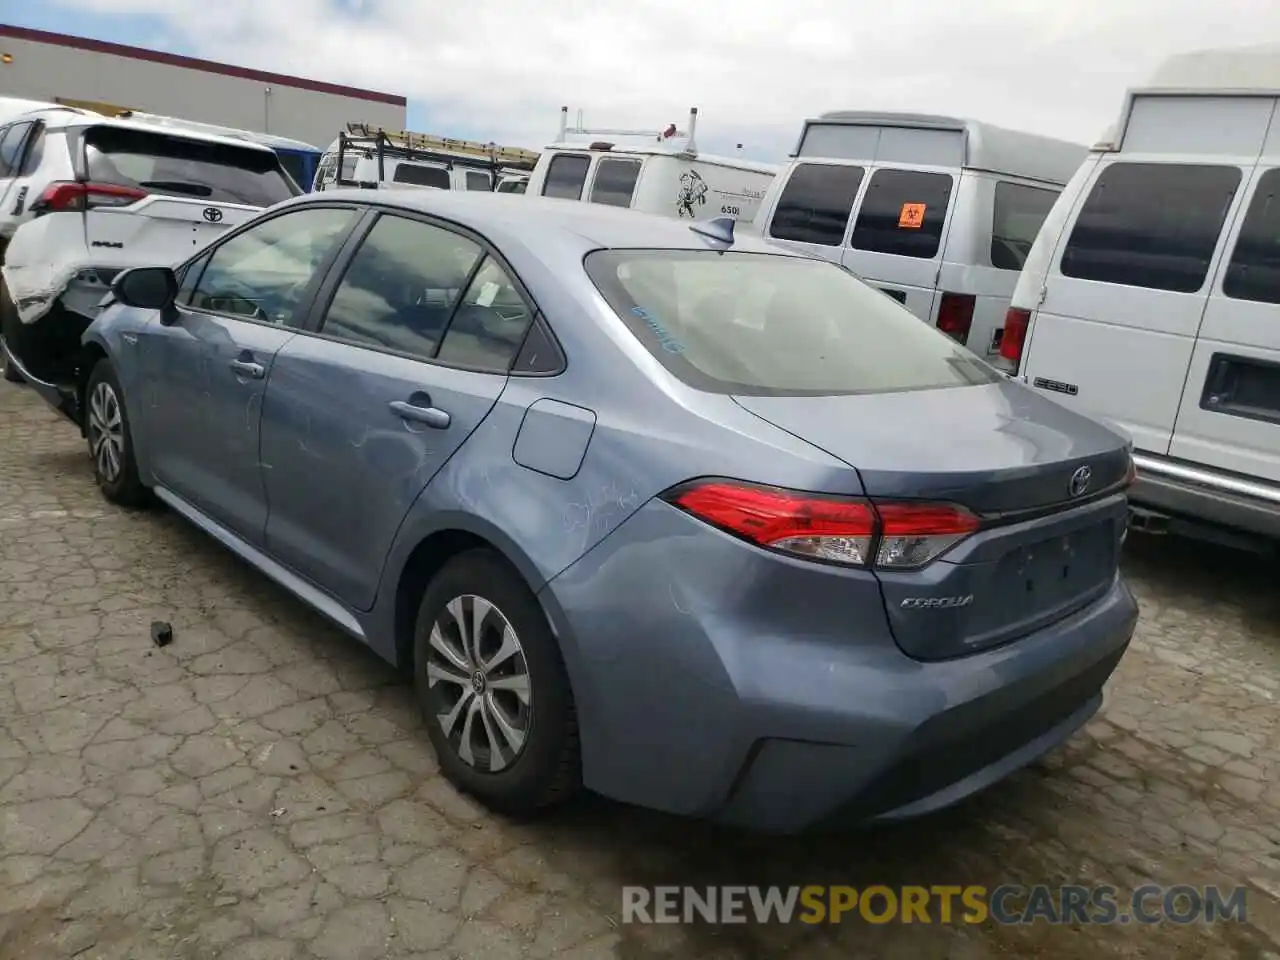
(478, 679)
(106, 432)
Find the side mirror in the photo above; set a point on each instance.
(149, 288)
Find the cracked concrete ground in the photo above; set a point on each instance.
(261, 789)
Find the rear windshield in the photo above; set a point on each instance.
(175, 166)
(768, 324)
(903, 212)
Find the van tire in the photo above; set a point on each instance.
(106, 425)
(545, 770)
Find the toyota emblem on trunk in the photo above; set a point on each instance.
(213, 214)
(1080, 481)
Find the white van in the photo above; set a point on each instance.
(937, 212)
(367, 157)
(1151, 298)
(663, 173)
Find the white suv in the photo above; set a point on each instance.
(84, 196)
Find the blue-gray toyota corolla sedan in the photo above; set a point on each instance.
(695, 522)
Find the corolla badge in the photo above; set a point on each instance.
(936, 603)
(1080, 480)
(212, 214)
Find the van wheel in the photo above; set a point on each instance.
(493, 689)
(110, 442)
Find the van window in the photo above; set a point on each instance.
(421, 176)
(1152, 225)
(816, 203)
(1019, 213)
(615, 182)
(478, 180)
(903, 213)
(1254, 270)
(566, 175)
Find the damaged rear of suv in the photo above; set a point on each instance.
(90, 196)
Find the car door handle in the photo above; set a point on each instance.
(431, 416)
(247, 368)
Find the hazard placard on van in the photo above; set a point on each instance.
(911, 217)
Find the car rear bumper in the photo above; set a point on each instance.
(714, 680)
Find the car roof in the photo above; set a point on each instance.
(63, 118)
(527, 220)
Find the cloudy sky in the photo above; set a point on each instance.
(500, 69)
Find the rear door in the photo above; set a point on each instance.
(1229, 415)
(165, 196)
(900, 231)
(1124, 300)
(414, 337)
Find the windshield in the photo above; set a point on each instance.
(767, 324)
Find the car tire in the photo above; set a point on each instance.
(541, 766)
(106, 427)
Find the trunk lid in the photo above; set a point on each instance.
(158, 229)
(1047, 547)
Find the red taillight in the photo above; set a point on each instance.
(895, 536)
(1015, 334)
(69, 196)
(955, 315)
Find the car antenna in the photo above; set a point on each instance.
(717, 228)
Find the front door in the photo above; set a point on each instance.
(205, 372)
(411, 353)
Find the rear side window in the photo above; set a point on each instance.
(1254, 270)
(420, 176)
(1019, 213)
(11, 148)
(1151, 225)
(763, 324)
(615, 182)
(816, 203)
(566, 175)
(903, 213)
(179, 167)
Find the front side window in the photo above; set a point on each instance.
(566, 175)
(615, 182)
(816, 203)
(418, 175)
(263, 273)
(903, 213)
(401, 287)
(1018, 214)
(1254, 270)
(479, 180)
(767, 324)
(1152, 225)
(174, 166)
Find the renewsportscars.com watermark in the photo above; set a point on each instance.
(1007, 904)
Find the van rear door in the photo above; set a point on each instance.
(1126, 293)
(1229, 417)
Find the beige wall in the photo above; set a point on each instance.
(47, 72)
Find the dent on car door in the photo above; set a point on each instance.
(206, 371)
(412, 352)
